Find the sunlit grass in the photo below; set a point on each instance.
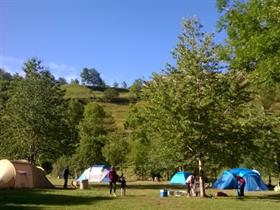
(140, 195)
(77, 91)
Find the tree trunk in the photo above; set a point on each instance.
(201, 179)
(269, 179)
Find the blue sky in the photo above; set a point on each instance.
(123, 39)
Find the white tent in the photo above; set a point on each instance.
(96, 173)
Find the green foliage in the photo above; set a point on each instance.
(93, 130)
(47, 166)
(135, 90)
(74, 115)
(193, 112)
(61, 81)
(74, 82)
(92, 77)
(253, 37)
(116, 149)
(5, 75)
(5, 79)
(253, 47)
(110, 94)
(77, 91)
(34, 120)
(60, 165)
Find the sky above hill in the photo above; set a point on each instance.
(123, 39)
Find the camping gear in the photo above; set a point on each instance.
(221, 194)
(22, 174)
(96, 173)
(84, 184)
(163, 193)
(180, 178)
(253, 181)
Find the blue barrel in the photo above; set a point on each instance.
(163, 193)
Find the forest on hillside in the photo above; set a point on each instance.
(217, 108)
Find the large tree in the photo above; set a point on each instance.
(116, 149)
(34, 119)
(197, 113)
(253, 37)
(5, 79)
(92, 77)
(93, 131)
(252, 46)
(74, 114)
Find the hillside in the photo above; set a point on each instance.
(118, 108)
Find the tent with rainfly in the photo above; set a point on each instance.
(253, 181)
(180, 178)
(95, 173)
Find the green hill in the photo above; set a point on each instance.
(118, 108)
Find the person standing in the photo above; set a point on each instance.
(190, 182)
(66, 174)
(240, 185)
(113, 177)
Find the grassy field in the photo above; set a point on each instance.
(139, 196)
(118, 110)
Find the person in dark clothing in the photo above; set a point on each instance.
(113, 178)
(240, 185)
(66, 174)
(123, 185)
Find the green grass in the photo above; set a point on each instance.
(139, 196)
(77, 91)
(118, 110)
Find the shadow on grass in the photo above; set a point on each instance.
(19, 207)
(28, 199)
(271, 197)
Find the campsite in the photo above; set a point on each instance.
(140, 195)
(140, 104)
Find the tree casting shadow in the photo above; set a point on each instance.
(20, 199)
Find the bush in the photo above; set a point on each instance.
(60, 165)
(47, 166)
(110, 94)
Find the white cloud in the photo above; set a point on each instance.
(11, 64)
(14, 65)
(63, 70)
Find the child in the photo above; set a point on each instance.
(123, 185)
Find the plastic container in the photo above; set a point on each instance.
(163, 193)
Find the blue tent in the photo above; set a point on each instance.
(252, 179)
(180, 178)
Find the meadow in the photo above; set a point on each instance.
(118, 110)
(140, 195)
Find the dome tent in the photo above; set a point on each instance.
(180, 178)
(252, 179)
(95, 173)
(22, 174)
